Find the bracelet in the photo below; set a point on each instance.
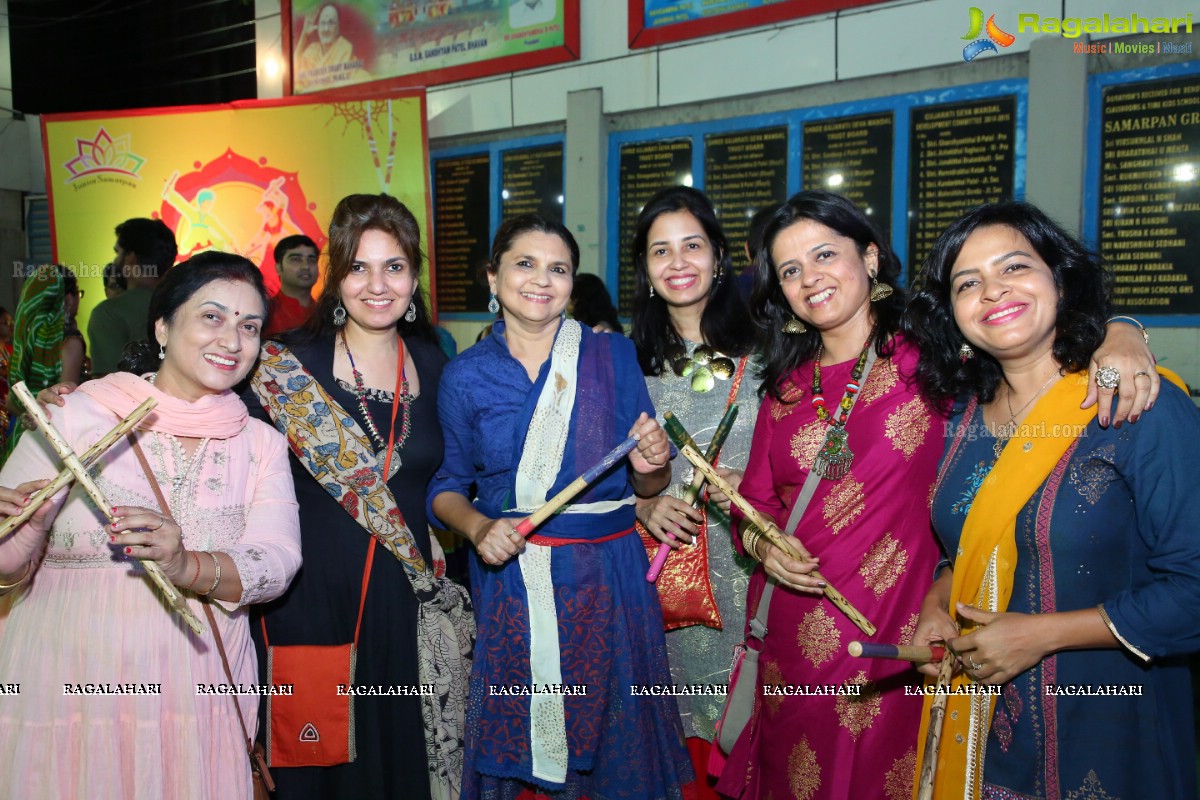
(750, 538)
(1131, 321)
(195, 577)
(217, 580)
(5, 588)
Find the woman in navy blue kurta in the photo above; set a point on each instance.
(1075, 556)
(570, 643)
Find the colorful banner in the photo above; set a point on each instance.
(411, 42)
(235, 177)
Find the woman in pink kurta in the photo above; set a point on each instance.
(117, 697)
(870, 529)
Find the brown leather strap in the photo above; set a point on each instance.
(212, 620)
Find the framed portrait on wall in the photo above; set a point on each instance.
(399, 43)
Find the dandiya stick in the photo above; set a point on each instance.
(88, 458)
(933, 737)
(788, 544)
(680, 437)
(554, 504)
(172, 595)
(897, 652)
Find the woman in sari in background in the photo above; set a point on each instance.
(37, 338)
(568, 611)
(689, 325)
(1076, 558)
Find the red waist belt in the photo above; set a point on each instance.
(556, 541)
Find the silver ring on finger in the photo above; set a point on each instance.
(974, 666)
(1108, 377)
(1140, 373)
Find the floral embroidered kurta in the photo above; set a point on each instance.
(1114, 524)
(872, 533)
(89, 616)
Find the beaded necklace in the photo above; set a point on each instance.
(400, 396)
(835, 457)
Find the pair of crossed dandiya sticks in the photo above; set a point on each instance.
(76, 470)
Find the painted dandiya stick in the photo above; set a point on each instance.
(554, 504)
(897, 652)
(88, 458)
(680, 437)
(933, 736)
(788, 544)
(169, 591)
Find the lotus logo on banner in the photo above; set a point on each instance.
(104, 154)
(995, 36)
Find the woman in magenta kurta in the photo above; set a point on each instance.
(870, 529)
(117, 697)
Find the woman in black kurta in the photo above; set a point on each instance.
(369, 330)
(321, 606)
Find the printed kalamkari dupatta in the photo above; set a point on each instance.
(336, 451)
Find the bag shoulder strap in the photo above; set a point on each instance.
(212, 621)
(758, 625)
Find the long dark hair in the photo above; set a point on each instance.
(176, 287)
(783, 351)
(723, 322)
(1083, 285)
(354, 215)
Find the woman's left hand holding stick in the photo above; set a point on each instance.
(153, 536)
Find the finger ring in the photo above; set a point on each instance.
(1108, 377)
(1140, 373)
(974, 666)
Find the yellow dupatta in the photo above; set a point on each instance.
(986, 562)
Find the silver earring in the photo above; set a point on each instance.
(411, 314)
(162, 352)
(494, 305)
(965, 352)
(652, 290)
(339, 315)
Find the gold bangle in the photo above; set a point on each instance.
(217, 579)
(750, 538)
(5, 588)
(1131, 321)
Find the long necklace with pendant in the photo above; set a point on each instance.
(400, 396)
(835, 456)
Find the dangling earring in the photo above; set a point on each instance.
(494, 305)
(718, 273)
(339, 315)
(652, 290)
(162, 352)
(965, 352)
(794, 326)
(411, 314)
(879, 291)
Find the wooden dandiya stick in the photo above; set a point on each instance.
(554, 504)
(680, 437)
(897, 652)
(788, 544)
(169, 591)
(88, 458)
(933, 736)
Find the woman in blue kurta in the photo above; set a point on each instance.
(1076, 557)
(570, 634)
